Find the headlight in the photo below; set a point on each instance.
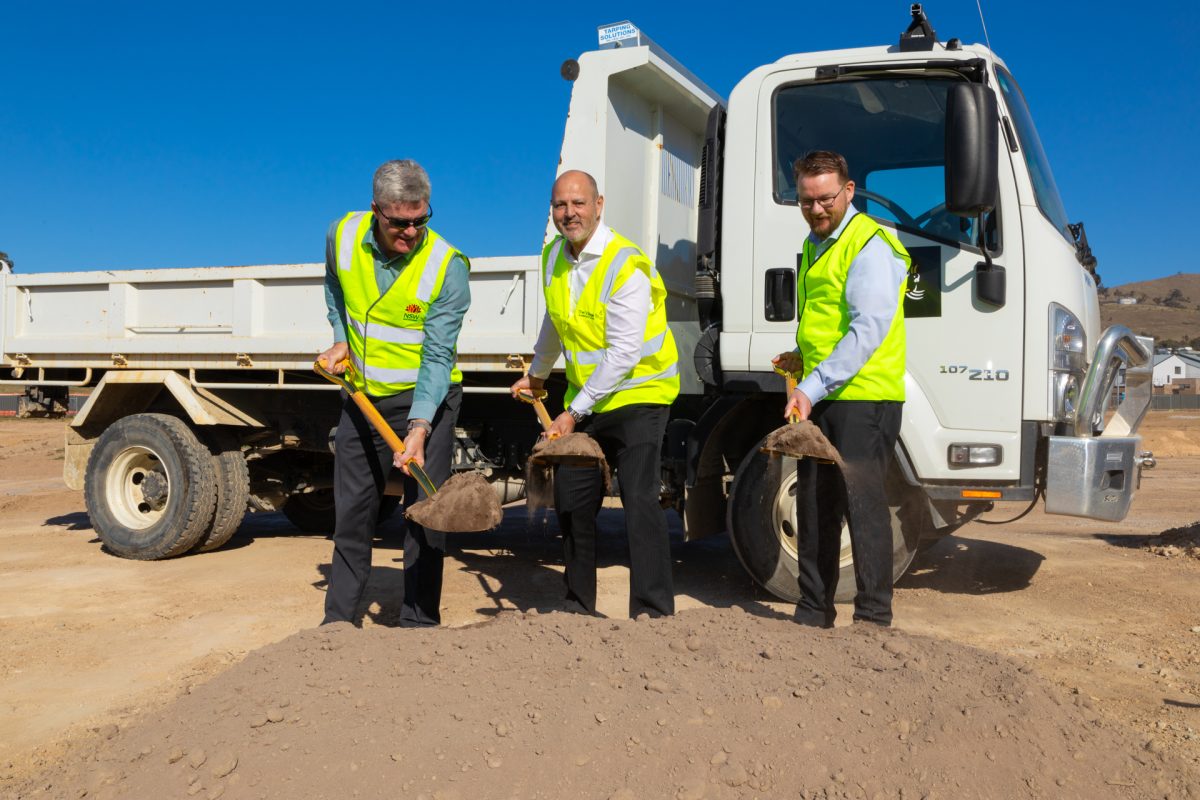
(1068, 362)
(1068, 342)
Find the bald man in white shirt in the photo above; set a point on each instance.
(605, 313)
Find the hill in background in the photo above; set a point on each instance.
(1167, 309)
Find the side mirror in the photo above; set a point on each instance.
(972, 142)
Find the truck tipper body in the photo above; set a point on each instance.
(1008, 381)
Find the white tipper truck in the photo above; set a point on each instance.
(203, 402)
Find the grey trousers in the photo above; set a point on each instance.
(361, 467)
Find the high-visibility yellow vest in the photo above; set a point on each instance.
(385, 332)
(655, 377)
(825, 314)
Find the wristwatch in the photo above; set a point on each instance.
(422, 424)
(578, 416)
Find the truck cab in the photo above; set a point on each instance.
(1008, 375)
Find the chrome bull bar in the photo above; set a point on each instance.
(1118, 347)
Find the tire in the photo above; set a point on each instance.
(761, 522)
(233, 495)
(313, 512)
(150, 487)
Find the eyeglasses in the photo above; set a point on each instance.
(824, 202)
(398, 224)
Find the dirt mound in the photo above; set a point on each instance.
(1176, 542)
(708, 704)
(464, 503)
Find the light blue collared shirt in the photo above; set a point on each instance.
(443, 322)
(872, 297)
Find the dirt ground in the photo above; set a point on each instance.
(1095, 626)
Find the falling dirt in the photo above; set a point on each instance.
(575, 449)
(465, 503)
(712, 704)
(801, 440)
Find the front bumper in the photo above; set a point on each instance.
(1093, 477)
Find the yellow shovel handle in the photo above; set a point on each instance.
(376, 419)
(790, 380)
(535, 400)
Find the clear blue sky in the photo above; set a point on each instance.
(170, 135)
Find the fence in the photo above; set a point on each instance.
(1175, 402)
(1158, 402)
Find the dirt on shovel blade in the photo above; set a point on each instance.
(464, 503)
(800, 440)
(574, 449)
(577, 449)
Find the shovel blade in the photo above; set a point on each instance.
(464, 504)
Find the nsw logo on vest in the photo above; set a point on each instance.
(414, 312)
(587, 314)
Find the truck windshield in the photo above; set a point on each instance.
(892, 132)
(1044, 188)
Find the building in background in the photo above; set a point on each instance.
(1180, 365)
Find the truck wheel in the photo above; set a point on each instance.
(233, 495)
(313, 512)
(150, 487)
(762, 519)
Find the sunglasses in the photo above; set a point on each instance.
(398, 224)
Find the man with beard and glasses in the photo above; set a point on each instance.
(850, 355)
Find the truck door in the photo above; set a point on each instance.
(964, 357)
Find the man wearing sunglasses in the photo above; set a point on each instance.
(850, 354)
(396, 294)
(605, 314)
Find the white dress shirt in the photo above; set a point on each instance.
(626, 315)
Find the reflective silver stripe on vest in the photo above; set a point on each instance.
(614, 269)
(386, 333)
(649, 348)
(381, 375)
(552, 260)
(348, 240)
(433, 266)
(669, 372)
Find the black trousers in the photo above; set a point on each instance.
(361, 467)
(631, 437)
(865, 434)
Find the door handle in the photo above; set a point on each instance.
(779, 302)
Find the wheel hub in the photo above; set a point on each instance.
(154, 489)
(138, 487)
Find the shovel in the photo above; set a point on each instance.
(466, 502)
(799, 438)
(574, 449)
